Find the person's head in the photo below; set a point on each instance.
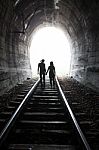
(51, 63)
(42, 60)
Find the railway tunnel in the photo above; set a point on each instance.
(77, 19)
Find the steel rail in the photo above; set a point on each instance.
(83, 138)
(12, 120)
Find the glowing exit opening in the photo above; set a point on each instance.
(51, 44)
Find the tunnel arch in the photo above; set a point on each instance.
(55, 48)
(18, 20)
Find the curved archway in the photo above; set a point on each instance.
(51, 44)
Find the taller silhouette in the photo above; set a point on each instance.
(42, 71)
(51, 70)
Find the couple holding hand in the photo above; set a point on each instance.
(42, 72)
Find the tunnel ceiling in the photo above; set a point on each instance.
(73, 15)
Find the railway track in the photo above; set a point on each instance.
(41, 119)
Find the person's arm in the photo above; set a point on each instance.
(54, 71)
(47, 70)
(38, 68)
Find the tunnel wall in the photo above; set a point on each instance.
(85, 61)
(14, 54)
(80, 19)
(14, 62)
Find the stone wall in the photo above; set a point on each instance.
(82, 23)
(14, 54)
(85, 58)
(14, 62)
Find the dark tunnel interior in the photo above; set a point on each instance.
(35, 114)
(79, 19)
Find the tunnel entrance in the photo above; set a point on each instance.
(51, 44)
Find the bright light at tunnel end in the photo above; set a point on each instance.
(51, 44)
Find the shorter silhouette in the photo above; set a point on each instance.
(42, 71)
(51, 70)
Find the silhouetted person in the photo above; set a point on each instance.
(42, 71)
(51, 70)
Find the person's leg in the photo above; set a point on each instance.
(51, 82)
(41, 79)
(44, 79)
